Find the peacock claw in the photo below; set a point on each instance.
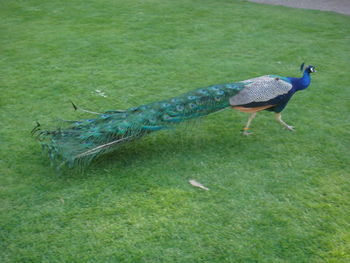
(246, 133)
(290, 128)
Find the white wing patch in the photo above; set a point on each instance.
(261, 89)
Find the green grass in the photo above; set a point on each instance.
(275, 196)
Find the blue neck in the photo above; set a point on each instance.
(301, 83)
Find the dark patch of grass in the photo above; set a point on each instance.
(274, 197)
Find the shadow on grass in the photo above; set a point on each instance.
(165, 149)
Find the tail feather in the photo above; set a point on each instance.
(84, 140)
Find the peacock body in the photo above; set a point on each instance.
(86, 139)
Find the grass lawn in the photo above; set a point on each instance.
(275, 196)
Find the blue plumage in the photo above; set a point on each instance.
(283, 89)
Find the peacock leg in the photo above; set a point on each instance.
(246, 128)
(278, 118)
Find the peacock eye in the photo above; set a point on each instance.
(180, 107)
(192, 105)
(203, 91)
(166, 117)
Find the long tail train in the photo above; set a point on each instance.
(84, 140)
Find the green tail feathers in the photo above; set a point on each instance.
(84, 140)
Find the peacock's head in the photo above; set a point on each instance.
(309, 69)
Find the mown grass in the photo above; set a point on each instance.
(275, 196)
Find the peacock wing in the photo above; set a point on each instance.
(261, 89)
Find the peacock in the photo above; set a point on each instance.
(83, 140)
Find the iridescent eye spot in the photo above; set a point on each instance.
(191, 97)
(232, 87)
(180, 107)
(220, 92)
(192, 105)
(217, 98)
(166, 105)
(166, 117)
(174, 100)
(143, 107)
(104, 116)
(133, 109)
(203, 91)
(214, 88)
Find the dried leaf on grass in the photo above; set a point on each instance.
(199, 185)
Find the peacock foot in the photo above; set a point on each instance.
(290, 128)
(246, 133)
